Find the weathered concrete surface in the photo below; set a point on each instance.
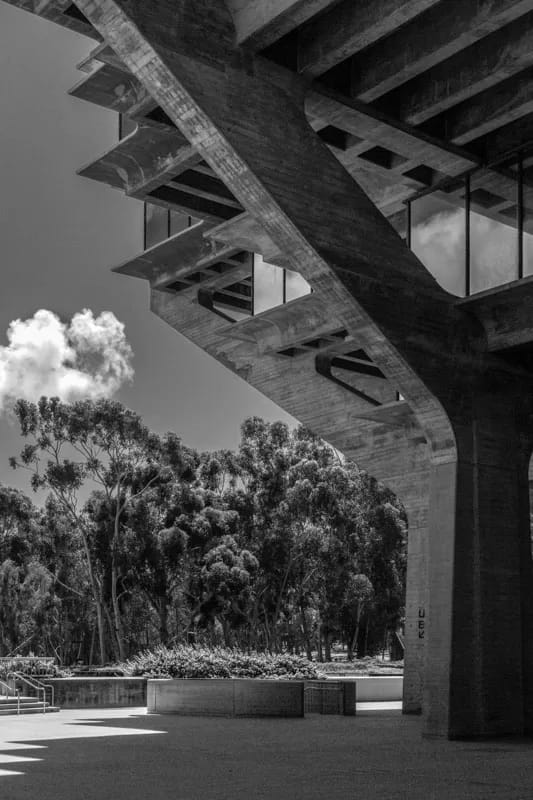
(98, 692)
(230, 697)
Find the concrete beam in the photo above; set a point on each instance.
(259, 23)
(149, 165)
(494, 58)
(62, 12)
(144, 160)
(434, 36)
(505, 313)
(349, 27)
(115, 89)
(510, 138)
(287, 325)
(487, 111)
(118, 90)
(369, 124)
(244, 233)
(179, 255)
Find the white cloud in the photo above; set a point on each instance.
(86, 358)
(439, 242)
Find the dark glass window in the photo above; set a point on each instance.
(156, 224)
(125, 126)
(179, 222)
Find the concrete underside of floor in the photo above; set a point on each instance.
(115, 753)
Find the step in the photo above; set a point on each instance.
(26, 698)
(27, 708)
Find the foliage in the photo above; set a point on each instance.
(35, 666)
(218, 662)
(106, 444)
(280, 546)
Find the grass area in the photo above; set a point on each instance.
(364, 666)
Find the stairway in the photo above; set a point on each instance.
(24, 705)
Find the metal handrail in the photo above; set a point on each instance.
(43, 659)
(13, 690)
(35, 684)
(7, 687)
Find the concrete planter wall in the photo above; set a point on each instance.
(226, 697)
(330, 697)
(376, 689)
(98, 692)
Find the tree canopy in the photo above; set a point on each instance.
(279, 545)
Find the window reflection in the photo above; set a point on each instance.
(438, 239)
(125, 126)
(528, 253)
(179, 222)
(493, 252)
(268, 285)
(156, 225)
(476, 232)
(528, 215)
(295, 285)
(160, 223)
(274, 286)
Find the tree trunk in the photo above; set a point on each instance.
(226, 630)
(352, 647)
(327, 644)
(117, 618)
(91, 651)
(97, 597)
(162, 607)
(279, 601)
(305, 630)
(365, 648)
(112, 639)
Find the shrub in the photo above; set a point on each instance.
(201, 662)
(34, 666)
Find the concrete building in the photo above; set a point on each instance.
(361, 186)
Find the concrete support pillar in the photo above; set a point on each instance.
(416, 608)
(479, 618)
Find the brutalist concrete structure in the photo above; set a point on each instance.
(308, 131)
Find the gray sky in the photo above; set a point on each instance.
(61, 234)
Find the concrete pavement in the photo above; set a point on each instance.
(124, 753)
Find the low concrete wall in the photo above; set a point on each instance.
(226, 697)
(98, 692)
(330, 697)
(339, 695)
(370, 689)
(237, 697)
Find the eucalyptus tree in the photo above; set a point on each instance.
(75, 447)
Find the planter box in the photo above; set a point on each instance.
(98, 692)
(231, 697)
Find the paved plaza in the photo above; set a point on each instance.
(125, 753)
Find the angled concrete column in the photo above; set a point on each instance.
(246, 119)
